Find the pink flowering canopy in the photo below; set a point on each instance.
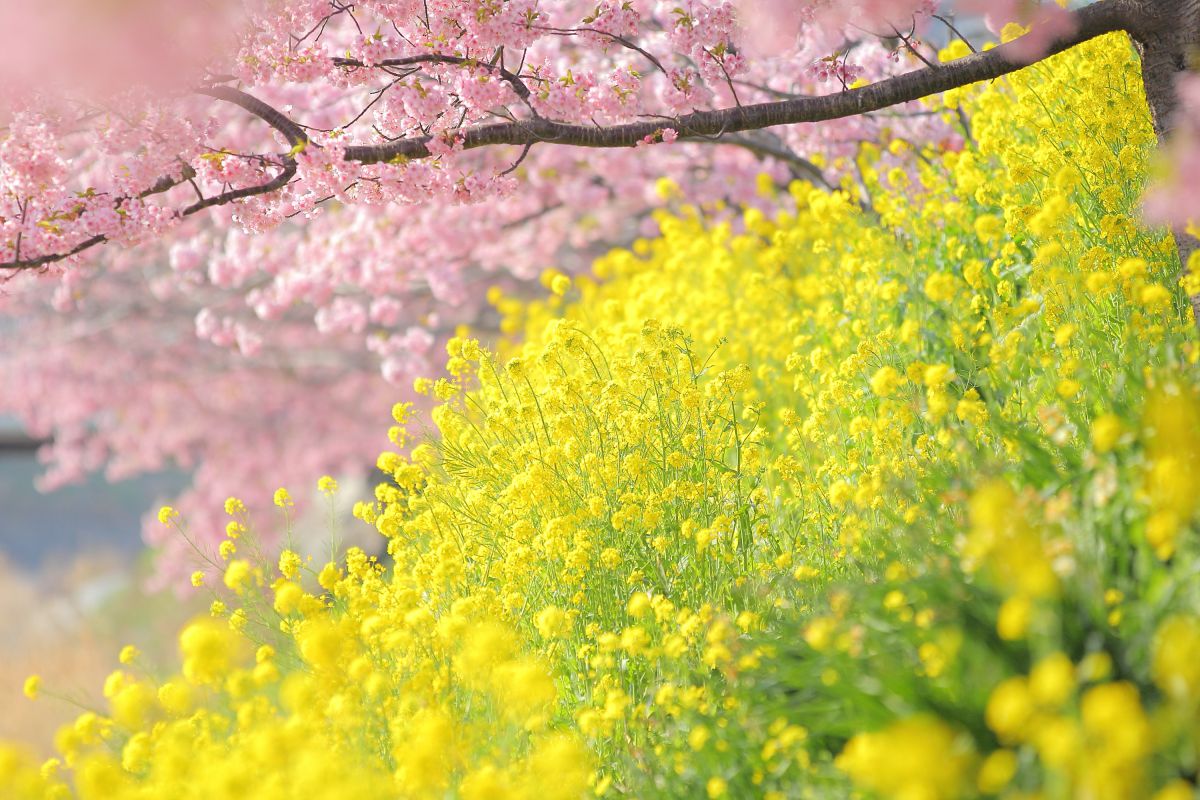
(233, 231)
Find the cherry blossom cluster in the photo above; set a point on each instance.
(125, 387)
(118, 159)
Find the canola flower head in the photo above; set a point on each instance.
(915, 757)
(1106, 432)
(1176, 659)
(560, 285)
(209, 650)
(290, 564)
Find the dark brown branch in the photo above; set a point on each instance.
(525, 220)
(169, 182)
(50, 258)
(513, 80)
(278, 182)
(276, 119)
(163, 184)
(1097, 19)
(291, 131)
(378, 96)
(955, 31)
(520, 158)
(801, 166)
(621, 40)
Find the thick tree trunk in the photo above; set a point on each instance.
(1168, 39)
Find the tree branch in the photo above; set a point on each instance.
(276, 119)
(291, 130)
(1097, 19)
(774, 148)
(1106, 16)
(513, 80)
(621, 40)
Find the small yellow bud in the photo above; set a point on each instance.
(560, 285)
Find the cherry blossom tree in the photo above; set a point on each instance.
(233, 231)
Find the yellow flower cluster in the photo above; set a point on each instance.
(894, 488)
